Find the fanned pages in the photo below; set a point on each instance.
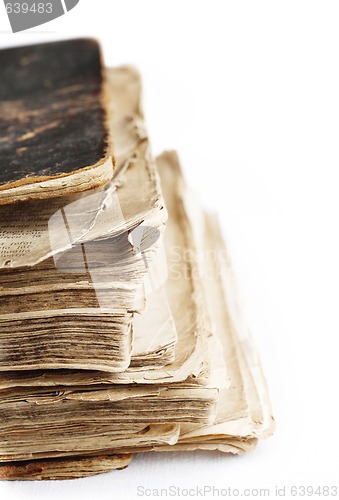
(243, 409)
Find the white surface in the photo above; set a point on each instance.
(247, 92)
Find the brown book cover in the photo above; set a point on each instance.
(54, 133)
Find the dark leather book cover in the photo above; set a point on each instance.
(54, 137)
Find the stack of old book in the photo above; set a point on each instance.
(120, 328)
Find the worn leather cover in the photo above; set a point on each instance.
(54, 134)
(69, 468)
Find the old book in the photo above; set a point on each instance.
(69, 468)
(54, 413)
(185, 305)
(171, 366)
(85, 438)
(72, 268)
(179, 392)
(243, 413)
(54, 133)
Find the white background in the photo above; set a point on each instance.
(248, 93)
